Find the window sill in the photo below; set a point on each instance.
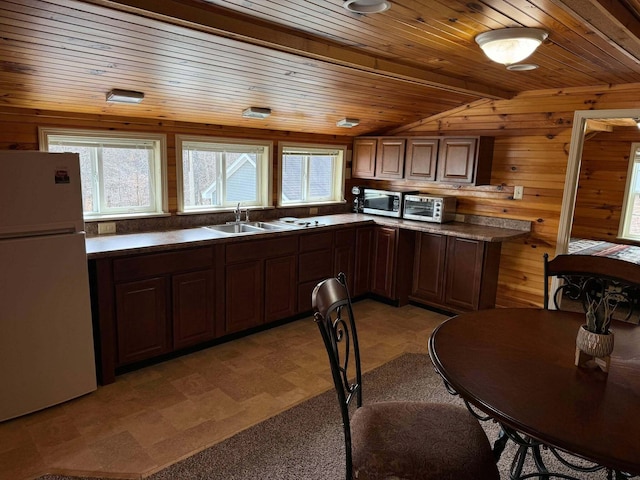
(124, 216)
(251, 208)
(314, 204)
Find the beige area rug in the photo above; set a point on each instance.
(306, 441)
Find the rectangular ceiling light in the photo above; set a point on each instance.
(347, 122)
(256, 112)
(124, 96)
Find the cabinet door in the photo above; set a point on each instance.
(280, 288)
(344, 255)
(362, 274)
(193, 308)
(364, 157)
(315, 263)
(142, 320)
(456, 160)
(422, 156)
(428, 273)
(383, 262)
(390, 158)
(244, 296)
(464, 272)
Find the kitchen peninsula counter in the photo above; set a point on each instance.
(485, 229)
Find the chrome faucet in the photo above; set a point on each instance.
(237, 213)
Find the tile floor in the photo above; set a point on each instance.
(155, 416)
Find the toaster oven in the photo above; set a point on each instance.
(429, 208)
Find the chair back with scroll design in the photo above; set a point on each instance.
(587, 278)
(394, 439)
(334, 316)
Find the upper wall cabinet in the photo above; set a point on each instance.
(465, 160)
(461, 160)
(421, 159)
(378, 157)
(364, 157)
(390, 158)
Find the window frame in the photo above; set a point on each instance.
(627, 204)
(339, 173)
(263, 175)
(158, 167)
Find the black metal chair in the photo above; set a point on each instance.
(408, 440)
(588, 278)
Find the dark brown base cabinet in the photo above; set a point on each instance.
(193, 308)
(280, 288)
(428, 272)
(383, 262)
(244, 296)
(260, 282)
(344, 256)
(314, 264)
(142, 320)
(455, 274)
(362, 268)
(392, 263)
(147, 306)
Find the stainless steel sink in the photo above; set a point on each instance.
(233, 228)
(273, 226)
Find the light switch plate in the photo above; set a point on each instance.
(518, 191)
(105, 228)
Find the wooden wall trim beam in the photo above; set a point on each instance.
(222, 22)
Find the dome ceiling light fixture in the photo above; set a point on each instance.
(510, 46)
(367, 6)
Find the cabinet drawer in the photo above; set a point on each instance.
(156, 264)
(259, 249)
(316, 241)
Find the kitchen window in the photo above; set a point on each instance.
(216, 174)
(311, 174)
(122, 174)
(630, 221)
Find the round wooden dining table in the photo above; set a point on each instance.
(517, 366)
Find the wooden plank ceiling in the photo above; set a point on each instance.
(311, 61)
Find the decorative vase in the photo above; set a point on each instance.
(594, 349)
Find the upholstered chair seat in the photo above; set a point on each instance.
(418, 440)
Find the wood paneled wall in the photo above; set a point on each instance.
(532, 131)
(533, 135)
(603, 178)
(19, 130)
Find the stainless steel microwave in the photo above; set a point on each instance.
(428, 208)
(384, 202)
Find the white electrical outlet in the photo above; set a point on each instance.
(518, 191)
(105, 228)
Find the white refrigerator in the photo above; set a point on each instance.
(46, 334)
